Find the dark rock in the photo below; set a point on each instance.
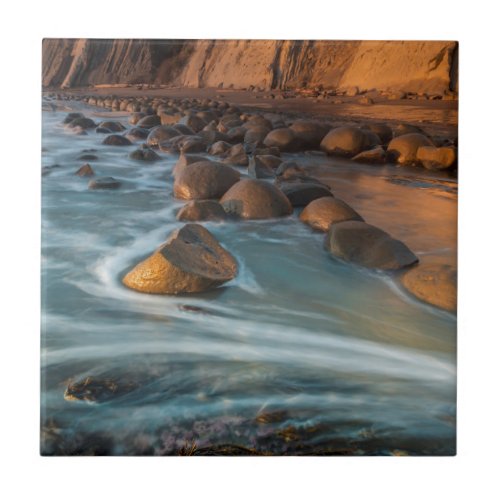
(104, 183)
(384, 132)
(87, 157)
(113, 126)
(310, 133)
(148, 121)
(367, 246)
(403, 149)
(321, 213)
(82, 123)
(116, 140)
(301, 194)
(161, 134)
(85, 171)
(137, 134)
(72, 116)
(144, 154)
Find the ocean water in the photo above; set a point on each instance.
(341, 358)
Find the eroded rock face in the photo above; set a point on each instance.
(198, 210)
(204, 180)
(190, 261)
(432, 158)
(367, 246)
(403, 149)
(256, 199)
(344, 141)
(433, 283)
(321, 213)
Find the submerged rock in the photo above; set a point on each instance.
(256, 199)
(95, 390)
(323, 212)
(197, 210)
(433, 283)
(403, 148)
(116, 140)
(144, 154)
(190, 261)
(72, 116)
(367, 246)
(82, 123)
(113, 126)
(137, 134)
(85, 171)
(204, 180)
(104, 183)
(161, 134)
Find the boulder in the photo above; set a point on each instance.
(88, 157)
(82, 123)
(185, 159)
(404, 128)
(148, 121)
(236, 156)
(368, 246)
(134, 118)
(263, 166)
(374, 156)
(191, 261)
(144, 154)
(169, 119)
(309, 133)
(236, 134)
(443, 158)
(160, 134)
(284, 139)
(137, 134)
(255, 199)
(192, 144)
(116, 140)
(104, 183)
(102, 130)
(204, 180)
(321, 213)
(302, 193)
(197, 210)
(183, 129)
(256, 134)
(219, 148)
(72, 116)
(384, 132)
(344, 141)
(194, 122)
(113, 126)
(85, 171)
(403, 149)
(433, 283)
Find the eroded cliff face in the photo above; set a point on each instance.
(404, 65)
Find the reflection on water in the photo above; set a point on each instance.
(351, 361)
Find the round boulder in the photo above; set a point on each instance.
(301, 193)
(344, 141)
(116, 140)
(433, 283)
(148, 121)
(197, 210)
(284, 139)
(204, 180)
(368, 246)
(161, 134)
(432, 158)
(185, 159)
(144, 154)
(321, 213)
(191, 261)
(310, 133)
(256, 199)
(403, 149)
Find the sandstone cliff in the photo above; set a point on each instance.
(397, 65)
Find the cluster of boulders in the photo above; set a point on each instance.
(230, 167)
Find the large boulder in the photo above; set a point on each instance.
(72, 116)
(116, 140)
(284, 139)
(136, 134)
(113, 126)
(301, 193)
(256, 134)
(344, 141)
(197, 210)
(368, 246)
(148, 121)
(185, 159)
(204, 180)
(443, 158)
(160, 134)
(82, 123)
(169, 119)
(194, 122)
(236, 155)
(403, 149)
(310, 133)
(321, 213)
(191, 261)
(256, 199)
(433, 283)
(384, 132)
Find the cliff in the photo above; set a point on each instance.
(396, 65)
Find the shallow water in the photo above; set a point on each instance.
(351, 359)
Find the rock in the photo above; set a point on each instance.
(219, 148)
(183, 129)
(274, 151)
(72, 116)
(192, 144)
(104, 183)
(344, 141)
(284, 139)
(185, 159)
(256, 134)
(82, 123)
(160, 134)
(365, 100)
(368, 246)
(204, 180)
(87, 157)
(255, 199)
(94, 390)
(396, 95)
(384, 132)
(102, 130)
(371, 139)
(236, 134)
(85, 171)
(404, 128)
(403, 149)
(169, 119)
(433, 283)
(144, 154)
(442, 158)
(323, 212)
(374, 156)
(148, 121)
(113, 126)
(190, 261)
(116, 140)
(289, 169)
(351, 91)
(236, 156)
(134, 118)
(302, 193)
(263, 166)
(137, 134)
(193, 122)
(309, 133)
(197, 210)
